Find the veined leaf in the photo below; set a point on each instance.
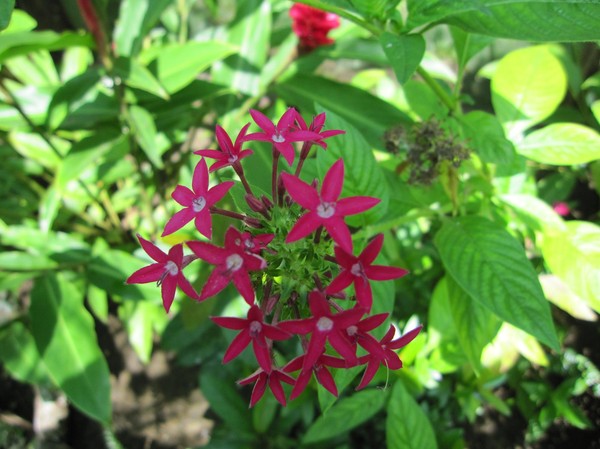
(529, 20)
(136, 18)
(407, 426)
(528, 85)
(362, 175)
(345, 415)
(491, 266)
(536, 213)
(64, 334)
(561, 144)
(404, 53)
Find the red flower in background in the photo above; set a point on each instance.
(312, 25)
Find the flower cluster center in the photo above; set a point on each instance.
(326, 210)
(198, 204)
(234, 262)
(277, 137)
(171, 268)
(324, 324)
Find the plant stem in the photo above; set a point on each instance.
(431, 82)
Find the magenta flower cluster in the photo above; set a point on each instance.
(292, 261)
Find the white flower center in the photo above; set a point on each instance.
(234, 262)
(324, 324)
(198, 204)
(232, 159)
(352, 330)
(356, 269)
(249, 244)
(326, 210)
(171, 268)
(255, 328)
(277, 137)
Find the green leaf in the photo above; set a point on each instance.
(491, 266)
(19, 21)
(250, 30)
(49, 207)
(475, 325)
(36, 68)
(345, 415)
(561, 144)
(225, 401)
(559, 294)
(33, 146)
(19, 355)
(574, 256)
(136, 18)
(343, 378)
(138, 317)
(6, 8)
(22, 261)
(85, 153)
(21, 43)
(362, 175)
(177, 65)
(529, 20)
(407, 426)
(535, 213)
(64, 334)
(527, 87)
(369, 114)
(595, 107)
(75, 61)
(139, 77)
(486, 137)
(468, 45)
(374, 8)
(145, 134)
(404, 53)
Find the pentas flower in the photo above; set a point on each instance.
(359, 270)
(272, 378)
(325, 326)
(253, 329)
(319, 368)
(325, 208)
(316, 126)
(230, 153)
(197, 202)
(312, 25)
(359, 333)
(254, 244)
(167, 271)
(386, 356)
(282, 135)
(232, 265)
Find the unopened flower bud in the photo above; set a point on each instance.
(255, 204)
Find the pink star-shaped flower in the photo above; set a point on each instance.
(253, 329)
(282, 135)
(320, 370)
(272, 378)
(167, 271)
(254, 244)
(386, 356)
(197, 202)
(316, 126)
(232, 264)
(325, 208)
(359, 270)
(325, 326)
(359, 333)
(230, 153)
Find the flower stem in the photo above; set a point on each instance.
(240, 172)
(227, 213)
(274, 175)
(443, 96)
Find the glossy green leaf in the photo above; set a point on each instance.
(530, 20)
(467, 45)
(138, 317)
(374, 8)
(536, 213)
(528, 85)
(561, 144)
(136, 18)
(6, 8)
(491, 266)
(19, 354)
(177, 65)
(35, 147)
(574, 256)
(86, 153)
(407, 426)
(345, 415)
(404, 53)
(36, 68)
(250, 31)
(15, 44)
(139, 77)
(49, 207)
(145, 134)
(559, 294)
(75, 61)
(22, 261)
(475, 325)
(64, 334)
(362, 175)
(19, 21)
(595, 107)
(367, 113)
(343, 378)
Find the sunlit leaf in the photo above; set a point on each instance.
(404, 53)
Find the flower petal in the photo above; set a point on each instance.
(178, 221)
(305, 225)
(262, 353)
(212, 154)
(274, 333)
(183, 196)
(333, 182)
(287, 119)
(314, 350)
(302, 327)
(152, 250)
(168, 288)
(302, 193)
(214, 284)
(369, 373)
(287, 150)
(364, 294)
(224, 140)
(238, 344)
(384, 273)
(277, 389)
(263, 122)
(203, 223)
(343, 258)
(186, 287)
(343, 347)
(339, 232)
(355, 205)
(405, 339)
(200, 178)
(151, 273)
(230, 322)
(343, 280)
(301, 383)
(216, 193)
(372, 250)
(242, 282)
(259, 390)
(208, 252)
(326, 379)
(176, 255)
